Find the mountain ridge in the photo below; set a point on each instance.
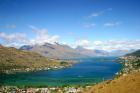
(61, 51)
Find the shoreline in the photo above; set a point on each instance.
(62, 64)
(76, 88)
(71, 87)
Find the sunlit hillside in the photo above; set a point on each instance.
(124, 84)
(12, 59)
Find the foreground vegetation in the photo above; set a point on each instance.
(124, 84)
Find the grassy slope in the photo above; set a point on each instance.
(11, 58)
(124, 84)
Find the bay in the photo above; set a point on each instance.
(87, 71)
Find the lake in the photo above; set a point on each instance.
(87, 71)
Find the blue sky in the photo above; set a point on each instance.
(88, 23)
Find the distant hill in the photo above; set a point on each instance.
(14, 59)
(56, 51)
(60, 51)
(120, 52)
(90, 52)
(136, 53)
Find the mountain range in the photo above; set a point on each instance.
(12, 59)
(61, 51)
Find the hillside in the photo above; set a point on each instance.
(124, 84)
(136, 53)
(131, 62)
(121, 52)
(129, 80)
(12, 59)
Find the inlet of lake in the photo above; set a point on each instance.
(86, 71)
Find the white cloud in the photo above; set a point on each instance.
(42, 36)
(112, 24)
(13, 39)
(18, 39)
(96, 14)
(90, 25)
(82, 42)
(71, 33)
(109, 45)
(11, 26)
(120, 45)
(97, 42)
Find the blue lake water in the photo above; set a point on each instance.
(87, 71)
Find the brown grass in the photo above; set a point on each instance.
(124, 84)
(11, 58)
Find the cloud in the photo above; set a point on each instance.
(96, 14)
(90, 25)
(109, 45)
(11, 26)
(88, 44)
(97, 43)
(120, 45)
(71, 33)
(14, 38)
(42, 36)
(18, 39)
(111, 24)
(82, 43)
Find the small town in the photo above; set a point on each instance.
(130, 63)
(68, 89)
